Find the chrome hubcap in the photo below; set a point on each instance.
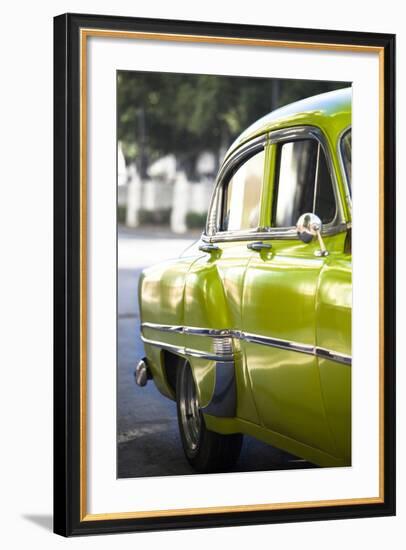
(189, 409)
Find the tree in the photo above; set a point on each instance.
(182, 114)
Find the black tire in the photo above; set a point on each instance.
(205, 451)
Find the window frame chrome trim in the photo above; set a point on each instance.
(265, 234)
(348, 189)
(338, 225)
(246, 150)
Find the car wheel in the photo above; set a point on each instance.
(206, 451)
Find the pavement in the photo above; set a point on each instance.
(148, 441)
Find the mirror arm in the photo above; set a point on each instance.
(309, 226)
(323, 251)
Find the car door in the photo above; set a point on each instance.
(280, 292)
(214, 284)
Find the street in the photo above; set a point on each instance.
(148, 442)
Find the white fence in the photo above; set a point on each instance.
(178, 195)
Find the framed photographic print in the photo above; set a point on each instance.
(224, 342)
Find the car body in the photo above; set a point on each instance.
(259, 310)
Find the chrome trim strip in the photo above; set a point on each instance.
(188, 351)
(240, 335)
(268, 234)
(333, 356)
(164, 328)
(194, 331)
(278, 343)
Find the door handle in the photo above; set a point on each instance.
(258, 246)
(208, 247)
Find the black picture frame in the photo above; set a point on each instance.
(68, 519)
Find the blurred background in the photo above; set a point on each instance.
(173, 131)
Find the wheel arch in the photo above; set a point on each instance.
(170, 362)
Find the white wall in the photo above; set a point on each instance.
(26, 273)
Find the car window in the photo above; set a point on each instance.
(242, 194)
(303, 184)
(346, 156)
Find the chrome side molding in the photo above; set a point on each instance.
(225, 351)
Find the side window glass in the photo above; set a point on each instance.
(303, 184)
(242, 194)
(324, 200)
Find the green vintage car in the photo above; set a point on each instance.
(250, 329)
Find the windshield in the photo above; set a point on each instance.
(345, 146)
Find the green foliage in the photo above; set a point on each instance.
(155, 217)
(121, 214)
(195, 220)
(181, 114)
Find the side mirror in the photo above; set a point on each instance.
(309, 226)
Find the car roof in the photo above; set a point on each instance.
(330, 111)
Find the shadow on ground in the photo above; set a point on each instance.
(42, 520)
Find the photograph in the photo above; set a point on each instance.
(201, 309)
(220, 357)
(234, 274)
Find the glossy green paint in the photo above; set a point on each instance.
(295, 401)
(213, 300)
(333, 310)
(279, 301)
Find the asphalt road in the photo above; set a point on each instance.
(148, 442)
